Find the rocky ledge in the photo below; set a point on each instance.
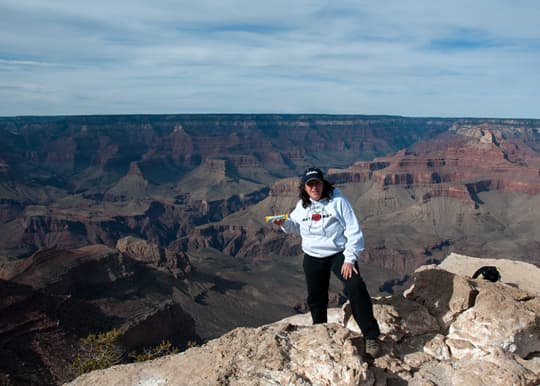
(445, 330)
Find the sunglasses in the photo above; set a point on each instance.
(312, 183)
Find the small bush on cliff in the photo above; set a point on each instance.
(103, 350)
(164, 348)
(98, 351)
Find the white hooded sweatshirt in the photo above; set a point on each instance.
(327, 226)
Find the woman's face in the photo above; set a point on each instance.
(314, 189)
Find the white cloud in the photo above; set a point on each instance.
(425, 58)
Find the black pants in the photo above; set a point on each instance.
(317, 271)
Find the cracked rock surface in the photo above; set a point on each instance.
(444, 330)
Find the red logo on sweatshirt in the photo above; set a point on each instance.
(316, 216)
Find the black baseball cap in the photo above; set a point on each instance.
(312, 174)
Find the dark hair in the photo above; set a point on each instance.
(328, 190)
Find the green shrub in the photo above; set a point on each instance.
(103, 350)
(99, 351)
(164, 348)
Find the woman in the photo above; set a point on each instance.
(332, 240)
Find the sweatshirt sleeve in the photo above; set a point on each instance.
(353, 233)
(291, 225)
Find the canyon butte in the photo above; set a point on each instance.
(154, 224)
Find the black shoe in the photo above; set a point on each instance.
(373, 348)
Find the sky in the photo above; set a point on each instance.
(422, 58)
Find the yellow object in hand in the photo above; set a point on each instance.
(276, 217)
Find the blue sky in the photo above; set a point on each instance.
(415, 58)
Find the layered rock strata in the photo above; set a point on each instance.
(455, 166)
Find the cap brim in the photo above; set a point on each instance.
(311, 179)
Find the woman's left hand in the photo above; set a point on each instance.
(347, 270)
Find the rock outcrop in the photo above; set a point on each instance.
(281, 354)
(130, 187)
(445, 330)
(514, 273)
(143, 251)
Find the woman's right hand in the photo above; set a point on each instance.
(278, 221)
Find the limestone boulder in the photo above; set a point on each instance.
(502, 317)
(399, 317)
(495, 369)
(511, 271)
(444, 294)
